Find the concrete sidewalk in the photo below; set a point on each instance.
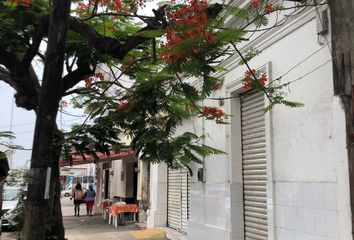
(95, 228)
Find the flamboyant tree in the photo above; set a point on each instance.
(104, 43)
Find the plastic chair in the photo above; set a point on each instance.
(106, 203)
(113, 217)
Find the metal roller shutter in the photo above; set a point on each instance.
(177, 207)
(254, 166)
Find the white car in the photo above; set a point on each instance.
(66, 192)
(10, 199)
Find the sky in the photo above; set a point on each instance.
(21, 122)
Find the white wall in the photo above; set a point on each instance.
(307, 161)
(118, 186)
(99, 182)
(157, 212)
(122, 187)
(308, 188)
(129, 179)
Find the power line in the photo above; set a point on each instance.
(301, 62)
(24, 132)
(33, 122)
(72, 115)
(285, 84)
(17, 125)
(308, 73)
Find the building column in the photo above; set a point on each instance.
(98, 176)
(157, 213)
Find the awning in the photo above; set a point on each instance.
(79, 160)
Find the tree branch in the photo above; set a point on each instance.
(74, 77)
(9, 60)
(78, 91)
(115, 14)
(23, 80)
(40, 31)
(104, 45)
(114, 47)
(5, 76)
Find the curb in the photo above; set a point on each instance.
(149, 234)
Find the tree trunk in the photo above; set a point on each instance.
(55, 230)
(37, 203)
(1, 191)
(55, 227)
(342, 21)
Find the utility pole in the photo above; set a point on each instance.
(342, 23)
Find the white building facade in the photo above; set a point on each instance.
(285, 174)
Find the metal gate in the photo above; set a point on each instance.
(254, 166)
(177, 200)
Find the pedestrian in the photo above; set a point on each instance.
(90, 199)
(78, 196)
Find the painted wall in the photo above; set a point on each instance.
(99, 182)
(308, 189)
(122, 183)
(157, 212)
(118, 185)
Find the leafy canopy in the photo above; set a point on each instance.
(139, 72)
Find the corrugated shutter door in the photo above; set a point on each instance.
(185, 200)
(254, 166)
(177, 208)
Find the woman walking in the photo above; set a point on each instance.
(90, 199)
(78, 198)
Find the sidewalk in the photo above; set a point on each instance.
(8, 236)
(91, 228)
(95, 228)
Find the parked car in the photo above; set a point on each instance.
(66, 192)
(10, 198)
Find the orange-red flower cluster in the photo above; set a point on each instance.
(121, 105)
(187, 22)
(268, 8)
(255, 3)
(115, 5)
(88, 82)
(90, 78)
(100, 76)
(217, 86)
(24, 2)
(63, 103)
(251, 77)
(214, 113)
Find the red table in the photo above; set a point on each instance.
(118, 208)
